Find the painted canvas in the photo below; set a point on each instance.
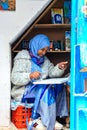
(8, 5)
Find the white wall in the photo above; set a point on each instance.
(12, 24)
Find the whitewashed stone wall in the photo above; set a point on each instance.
(12, 24)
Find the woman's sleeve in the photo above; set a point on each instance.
(20, 72)
(54, 71)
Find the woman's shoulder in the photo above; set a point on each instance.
(23, 54)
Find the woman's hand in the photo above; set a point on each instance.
(63, 65)
(35, 75)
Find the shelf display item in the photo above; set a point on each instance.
(67, 12)
(57, 15)
(67, 40)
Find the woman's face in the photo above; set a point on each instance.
(42, 51)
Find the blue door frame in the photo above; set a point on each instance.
(78, 98)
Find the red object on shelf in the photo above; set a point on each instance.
(19, 116)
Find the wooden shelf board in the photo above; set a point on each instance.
(58, 51)
(16, 51)
(52, 26)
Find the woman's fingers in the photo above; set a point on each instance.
(63, 65)
(35, 75)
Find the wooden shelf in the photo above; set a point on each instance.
(54, 31)
(16, 51)
(58, 51)
(52, 26)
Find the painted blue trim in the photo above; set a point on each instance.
(73, 43)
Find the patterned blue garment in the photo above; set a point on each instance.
(52, 97)
(45, 96)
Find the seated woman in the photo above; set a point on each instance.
(30, 65)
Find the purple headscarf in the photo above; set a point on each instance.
(38, 42)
